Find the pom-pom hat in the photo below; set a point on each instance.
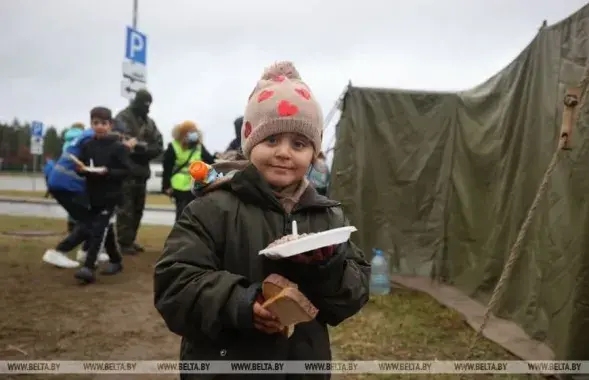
(281, 103)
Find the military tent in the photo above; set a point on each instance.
(443, 181)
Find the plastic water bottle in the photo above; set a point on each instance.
(379, 277)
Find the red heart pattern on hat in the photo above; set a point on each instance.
(304, 93)
(286, 108)
(247, 129)
(281, 102)
(264, 95)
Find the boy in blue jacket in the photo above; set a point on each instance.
(68, 189)
(70, 136)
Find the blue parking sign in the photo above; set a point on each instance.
(136, 46)
(37, 129)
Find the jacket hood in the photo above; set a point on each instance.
(72, 134)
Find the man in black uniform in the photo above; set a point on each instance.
(147, 145)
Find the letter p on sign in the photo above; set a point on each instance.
(136, 46)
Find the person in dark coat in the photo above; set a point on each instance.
(147, 145)
(207, 283)
(236, 143)
(233, 151)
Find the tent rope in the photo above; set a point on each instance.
(515, 251)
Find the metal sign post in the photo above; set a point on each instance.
(36, 147)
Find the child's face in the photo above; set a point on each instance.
(101, 127)
(283, 159)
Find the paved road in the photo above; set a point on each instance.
(24, 183)
(53, 210)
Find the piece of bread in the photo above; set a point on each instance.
(274, 283)
(291, 307)
(288, 330)
(285, 301)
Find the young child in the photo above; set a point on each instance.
(104, 191)
(207, 282)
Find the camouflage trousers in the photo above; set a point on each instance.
(130, 212)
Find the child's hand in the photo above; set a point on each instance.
(265, 321)
(316, 256)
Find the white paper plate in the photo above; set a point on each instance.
(309, 243)
(95, 169)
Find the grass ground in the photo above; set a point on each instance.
(152, 199)
(46, 315)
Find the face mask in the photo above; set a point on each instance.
(142, 108)
(192, 138)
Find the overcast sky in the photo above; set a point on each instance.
(59, 58)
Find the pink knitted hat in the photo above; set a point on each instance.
(281, 103)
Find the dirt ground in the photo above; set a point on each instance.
(46, 315)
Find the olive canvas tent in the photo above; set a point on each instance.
(442, 182)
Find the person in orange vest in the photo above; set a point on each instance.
(186, 148)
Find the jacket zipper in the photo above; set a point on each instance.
(287, 224)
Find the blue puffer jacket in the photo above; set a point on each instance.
(48, 168)
(70, 135)
(63, 177)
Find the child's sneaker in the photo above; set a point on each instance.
(59, 259)
(85, 275)
(112, 268)
(102, 257)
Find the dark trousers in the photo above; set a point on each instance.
(182, 199)
(76, 205)
(101, 231)
(130, 212)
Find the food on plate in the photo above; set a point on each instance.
(286, 239)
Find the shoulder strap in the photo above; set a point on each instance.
(177, 170)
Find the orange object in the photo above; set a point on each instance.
(199, 171)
